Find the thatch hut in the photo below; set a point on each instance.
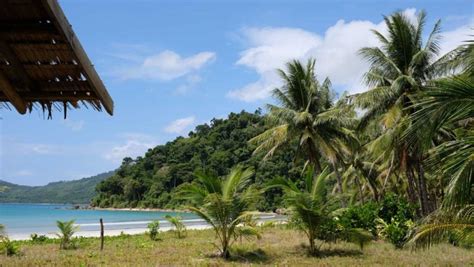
(42, 63)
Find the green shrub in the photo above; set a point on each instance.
(35, 238)
(177, 222)
(9, 247)
(396, 232)
(396, 208)
(67, 230)
(362, 216)
(153, 228)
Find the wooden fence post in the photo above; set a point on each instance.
(101, 234)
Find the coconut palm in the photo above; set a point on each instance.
(443, 225)
(178, 224)
(222, 203)
(305, 117)
(313, 211)
(399, 70)
(67, 230)
(449, 106)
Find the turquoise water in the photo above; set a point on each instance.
(41, 218)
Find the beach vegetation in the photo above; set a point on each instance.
(153, 230)
(8, 247)
(314, 212)
(38, 238)
(67, 229)
(222, 203)
(177, 223)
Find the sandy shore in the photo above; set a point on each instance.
(115, 232)
(139, 209)
(193, 224)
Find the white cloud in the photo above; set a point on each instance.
(134, 145)
(179, 126)
(336, 53)
(167, 65)
(74, 125)
(451, 39)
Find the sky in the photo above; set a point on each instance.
(170, 65)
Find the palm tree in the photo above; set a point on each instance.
(314, 213)
(399, 70)
(305, 117)
(67, 230)
(448, 107)
(222, 203)
(457, 226)
(178, 224)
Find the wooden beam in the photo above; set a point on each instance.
(26, 27)
(53, 96)
(54, 10)
(11, 94)
(18, 73)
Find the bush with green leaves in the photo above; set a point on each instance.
(153, 228)
(66, 231)
(248, 228)
(222, 202)
(177, 223)
(314, 212)
(394, 207)
(361, 216)
(35, 238)
(8, 247)
(396, 232)
(2, 230)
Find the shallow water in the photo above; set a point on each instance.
(25, 219)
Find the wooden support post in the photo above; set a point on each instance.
(11, 94)
(101, 234)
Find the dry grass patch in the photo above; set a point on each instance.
(277, 247)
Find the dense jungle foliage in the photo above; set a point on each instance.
(153, 180)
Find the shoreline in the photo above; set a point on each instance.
(193, 224)
(113, 232)
(140, 209)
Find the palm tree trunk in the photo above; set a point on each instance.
(412, 196)
(313, 158)
(339, 183)
(361, 192)
(426, 207)
(338, 177)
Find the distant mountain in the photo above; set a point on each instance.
(75, 192)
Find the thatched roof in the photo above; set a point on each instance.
(42, 63)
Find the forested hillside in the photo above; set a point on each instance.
(152, 180)
(75, 192)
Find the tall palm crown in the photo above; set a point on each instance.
(400, 69)
(305, 117)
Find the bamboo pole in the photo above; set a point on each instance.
(101, 234)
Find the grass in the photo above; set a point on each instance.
(278, 246)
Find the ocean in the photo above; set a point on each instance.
(25, 219)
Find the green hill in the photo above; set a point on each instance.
(154, 179)
(75, 192)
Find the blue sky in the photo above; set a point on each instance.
(170, 65)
